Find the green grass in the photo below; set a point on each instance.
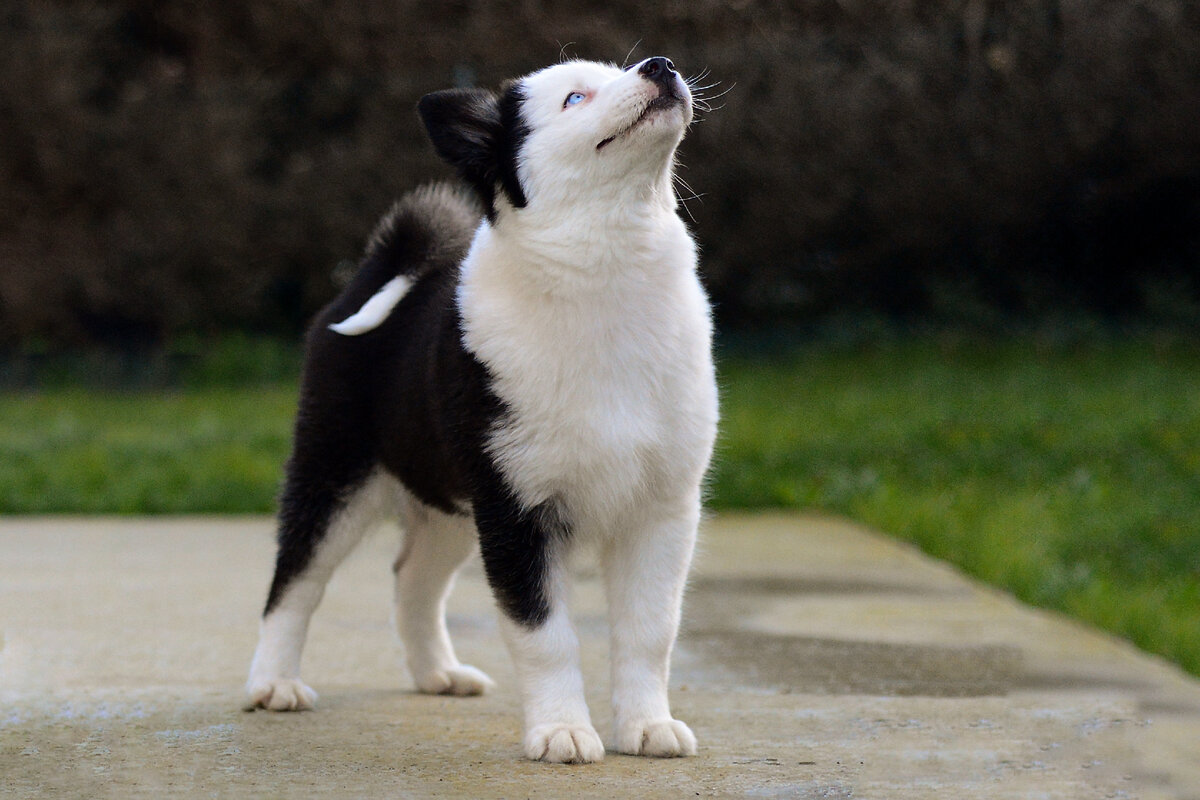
(1071, 478)
(1068, 475)
(195, 451)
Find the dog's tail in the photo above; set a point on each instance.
(427, 230)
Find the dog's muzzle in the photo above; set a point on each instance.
(660, 72)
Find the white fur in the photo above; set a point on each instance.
(435, 546)
(644, 574)
(558, 727)
(376, 309)
(587, 310)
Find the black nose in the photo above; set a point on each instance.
(657, 69)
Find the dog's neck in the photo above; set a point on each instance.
(583, 245)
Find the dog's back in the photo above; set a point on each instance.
(365, 396)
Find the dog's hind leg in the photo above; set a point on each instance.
(435, 546)
(320, 522)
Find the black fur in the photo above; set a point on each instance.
(515, 543)
(408, 397)
(480, 134)
(513, 132)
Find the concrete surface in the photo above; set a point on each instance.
(818, 660)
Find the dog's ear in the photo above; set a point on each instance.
(463, 125)
(478, 133)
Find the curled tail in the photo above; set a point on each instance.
(428, 230)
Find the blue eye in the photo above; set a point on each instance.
(574, 98)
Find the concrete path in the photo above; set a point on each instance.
(818, 660)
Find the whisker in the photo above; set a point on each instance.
(692, 193)
(625, 63)
(704, 107)
(562, 52)
(683, 201)
(702, 102)
(732, 86)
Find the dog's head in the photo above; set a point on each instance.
(569, 133)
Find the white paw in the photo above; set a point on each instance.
(663, 738)
(280, 694)
(462, 680)
(564, 744)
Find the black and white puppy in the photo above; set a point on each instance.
(528, 368)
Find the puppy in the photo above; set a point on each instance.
(525, 368)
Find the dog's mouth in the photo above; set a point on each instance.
(668, 98)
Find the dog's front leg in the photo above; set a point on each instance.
(523, 553)
(558, 727)
(645, 570)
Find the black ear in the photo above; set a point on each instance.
(478, 133)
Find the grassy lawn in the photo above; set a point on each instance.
(195, 451)
(1070, 476)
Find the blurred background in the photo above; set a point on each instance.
(953, 247)
(175, 168)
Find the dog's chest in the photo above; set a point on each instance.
(609, 402)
